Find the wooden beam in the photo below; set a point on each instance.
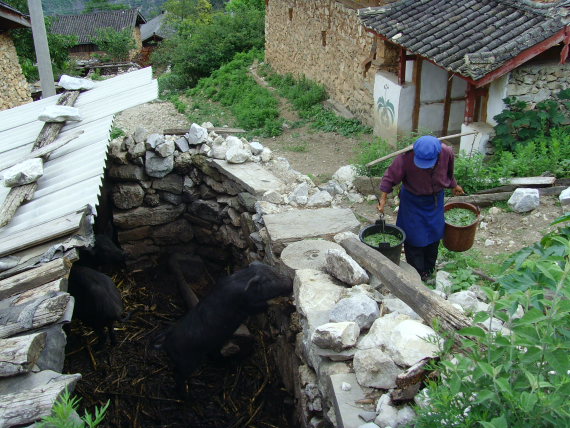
(47, 272)
(15, 197)
(428, 305)
(402, 67)
(488, 199)
(19, 354)
(418, 92)
(219, 130)
(26, 406)
(447, 103)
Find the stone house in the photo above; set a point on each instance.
(436, 65)
(14, 89)
(152, 33)
(85, 27)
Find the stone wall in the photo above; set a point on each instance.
(324, 40)
(14, 89)
(537, 82)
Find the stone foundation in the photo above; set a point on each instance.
(538, 82)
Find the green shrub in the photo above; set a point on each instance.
(515, 379)
(520, 123)
(116, 132)
(474, 174)
(327, 121)
(179, 105)
(372, 150)
(62, 414)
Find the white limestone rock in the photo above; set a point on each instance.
(153, 140)
(339, 237)
(468, 301)
(272, 196)
(343, 267)
(75, 83)
(379, 334)
(359, 308)
(182, 144)
(266, 154)
(387, 413)
(524, 200)
(197, 135)
(25, 172)
(320, 199)
(337, 336)
(237, 155)
(165, 149)
(407, 343)
(300, 195)
(57, 113)
(256, 148)
(375, 369)
(219, 148)
(443, 282)
(345, 175)
(395, 305)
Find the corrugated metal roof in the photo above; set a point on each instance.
(85, 26)
(468, 37)
(73, 173)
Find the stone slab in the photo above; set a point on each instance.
(307, 254)
(345, 402)
(252, 176)
(297, 225)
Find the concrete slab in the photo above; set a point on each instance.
(252, 176)
(345, 403)
(297, 225)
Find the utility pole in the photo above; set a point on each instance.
(41, 46)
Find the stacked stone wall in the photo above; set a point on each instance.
(14, 89)
(295, 32)
(538, 82)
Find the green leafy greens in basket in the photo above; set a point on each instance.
(460, 217)
(376, 239)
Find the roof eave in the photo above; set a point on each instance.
(17, 18)
(520, 59)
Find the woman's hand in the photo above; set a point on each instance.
(458, 191)
(382, 202)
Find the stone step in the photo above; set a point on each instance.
(297, 225)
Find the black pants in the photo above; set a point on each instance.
(422, 259)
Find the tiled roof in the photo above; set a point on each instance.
(156, 27)
(468, 37)
(14, 17)
(85, 26)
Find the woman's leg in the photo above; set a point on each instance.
(415, 257)
(430, 257)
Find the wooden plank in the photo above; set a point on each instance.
(29, 405)
(410, 290)
(218, 130)
(19, 354)
(45, 310)
(41, 233)
(417, 95)
(513, 183)
(48, 272)
(36, 292)
(447, 102)
(488, 199)
(16, 196)
(51, 130)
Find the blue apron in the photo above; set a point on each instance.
(421, 217)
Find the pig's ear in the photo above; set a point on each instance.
(253, 284)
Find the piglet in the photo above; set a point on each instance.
(210, 324)
(97, 301)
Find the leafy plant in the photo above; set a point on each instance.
(518, 377)
(116, 132)
(474, 174)
(520, 123)
(375, 149)
(63, 414)
(116, 44)
(179, 105)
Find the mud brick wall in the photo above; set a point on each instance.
(324, 41)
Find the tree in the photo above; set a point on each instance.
(239, 5)
(116, 44)
(184, 11)
(99, 5)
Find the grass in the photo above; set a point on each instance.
(299, 148)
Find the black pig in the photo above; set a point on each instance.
(103, 254)
(97, 301)
(211, 323)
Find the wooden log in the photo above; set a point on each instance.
(36, 292)
(411, 146)
(47, 272)
(16, 196)
(26, 406)
(513, 183)
(428, 305)
(45, 310)
(19, 354)
(218, 130)
(414, 374)
(485, 200)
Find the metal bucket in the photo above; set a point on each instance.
(460, 238)
(392, 252)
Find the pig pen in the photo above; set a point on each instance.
(242, 390)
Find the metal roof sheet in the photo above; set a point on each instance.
(73, 173)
